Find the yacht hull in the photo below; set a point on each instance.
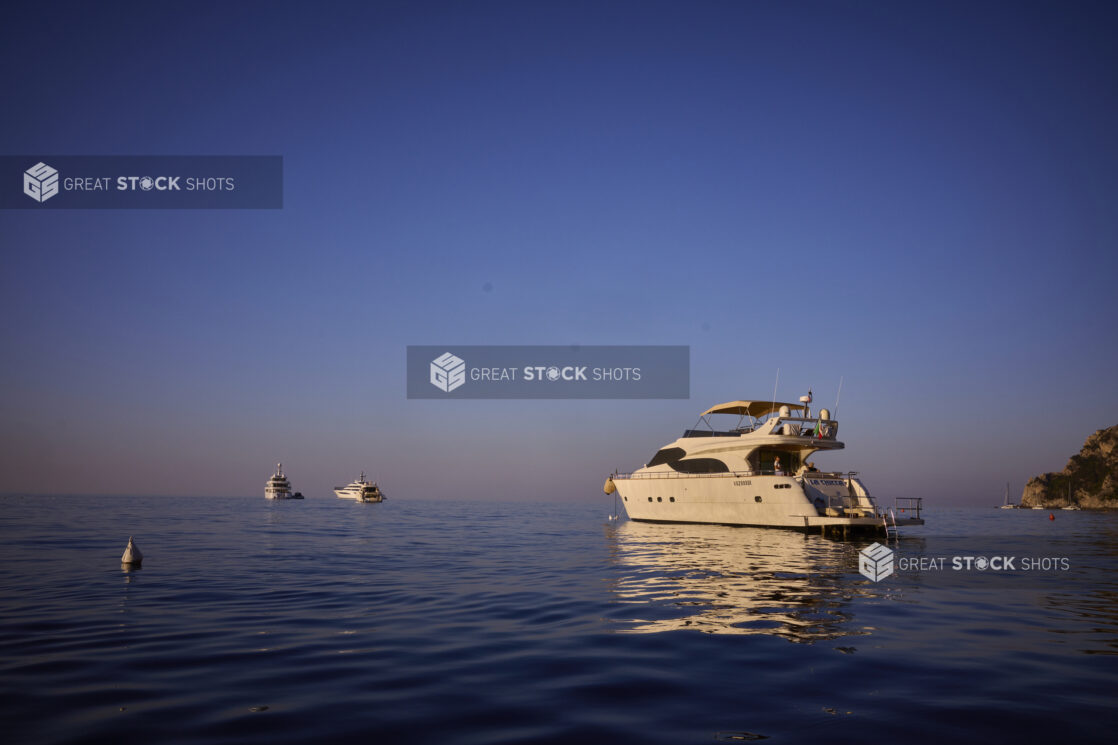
(731, 499)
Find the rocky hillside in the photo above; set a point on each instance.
(1092, 477)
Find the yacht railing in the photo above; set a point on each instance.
(825, 429)
(678, 475)
(734, 474)
(905, 506)
(910, 504)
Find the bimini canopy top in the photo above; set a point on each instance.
(755, 409)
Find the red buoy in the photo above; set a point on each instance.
(1051, 516)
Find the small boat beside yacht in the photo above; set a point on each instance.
(757, 473)
(278, 487)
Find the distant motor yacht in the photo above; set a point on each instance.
(278, 487)
(757, 473)
(361, 490)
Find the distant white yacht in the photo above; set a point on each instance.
(278, 487)
(361, 490)
(757, 473)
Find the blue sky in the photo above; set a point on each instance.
(916, 197)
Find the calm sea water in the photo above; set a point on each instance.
(444, 622)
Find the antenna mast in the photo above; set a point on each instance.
(775, 384)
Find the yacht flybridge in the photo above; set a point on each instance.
(757, 473)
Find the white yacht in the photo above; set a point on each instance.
(278, 487)
(757, 473)
(361, 490)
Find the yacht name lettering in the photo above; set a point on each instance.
(827, 482)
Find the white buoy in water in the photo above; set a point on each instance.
(132, 556)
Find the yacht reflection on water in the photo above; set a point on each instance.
(733, 580)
